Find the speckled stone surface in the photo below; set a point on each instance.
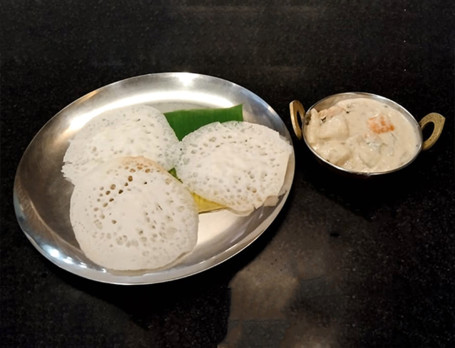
(346, 263)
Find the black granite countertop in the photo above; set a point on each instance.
(347, 263)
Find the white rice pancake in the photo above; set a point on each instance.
(130, 214)
(239, 165)
(137, 130)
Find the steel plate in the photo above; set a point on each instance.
(42, 195)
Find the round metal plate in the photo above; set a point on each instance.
(42, 195)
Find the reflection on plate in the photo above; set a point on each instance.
(42, 195)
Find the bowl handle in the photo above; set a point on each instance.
(297, 112)
(438, 123)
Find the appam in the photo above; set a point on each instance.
(136, 130)
(239, 165)
(131, 214)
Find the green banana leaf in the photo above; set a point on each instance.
(184, 122)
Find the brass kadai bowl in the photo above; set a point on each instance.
(300, 120)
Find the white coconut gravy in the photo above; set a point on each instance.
(362, 135)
